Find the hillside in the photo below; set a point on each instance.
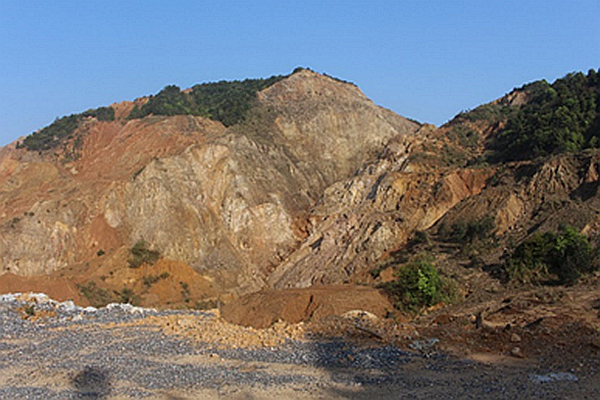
(230, 203)
(280, 196)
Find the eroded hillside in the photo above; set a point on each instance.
(309, 184)
(232, 203)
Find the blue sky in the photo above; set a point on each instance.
(426, 59)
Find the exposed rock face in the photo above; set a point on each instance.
(360, 220)
(534, 195)
(232, 203)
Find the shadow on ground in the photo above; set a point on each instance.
(91, 383)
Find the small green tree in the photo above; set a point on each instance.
(418, 284)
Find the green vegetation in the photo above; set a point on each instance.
(63, 129)
(141, 254)
(52, 135)
(565, 255)
(102, 114)
(185, 291)
(491, 112)
(96, 296)
(418, 284)
(464, 136)
(149, 280)
(226, 102)
(127, 295)
(100, 297)
(206, 305)
(29, 310)
(420, 237)
(467, 233)
(559, 117)
(451, 155)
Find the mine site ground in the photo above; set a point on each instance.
(538, 344)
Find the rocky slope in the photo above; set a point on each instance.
(316, 186)
(232, 203)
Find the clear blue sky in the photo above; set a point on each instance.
(424, 59)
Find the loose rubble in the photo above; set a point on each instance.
(54, 350)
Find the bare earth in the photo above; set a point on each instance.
(51, 350)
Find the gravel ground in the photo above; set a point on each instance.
(51, 350)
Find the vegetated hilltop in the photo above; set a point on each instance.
(85, 196)
(190, 197)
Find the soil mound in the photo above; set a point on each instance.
(264, 308)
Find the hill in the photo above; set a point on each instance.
(231, 202)
(274, 188)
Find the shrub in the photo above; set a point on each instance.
(140, 254)
(97, 297)
(29, 310)
(418, 284)
(464, 233)
(149, 280)
(185, 291)
(127, 295)
(565, 255)
(205, 304)
(421, 237)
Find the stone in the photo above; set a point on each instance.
(517, 352)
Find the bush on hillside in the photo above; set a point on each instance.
(127, 296)
(465, 233)
(101, 114)
(63, 129)
(96, 296)
(52, 135)
(225, 101)
(141, 254)
(417, 285)
(565, 255)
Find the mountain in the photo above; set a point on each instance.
(229, 202)
(221, 190)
